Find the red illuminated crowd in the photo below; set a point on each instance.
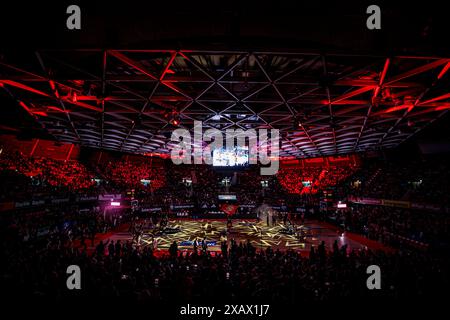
(127, 174)
(311, 180)
(46, 173)
(424, 181)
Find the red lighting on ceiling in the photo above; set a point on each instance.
(23, 105)
(443, 71)
(397, 108)
(40, 113)
(74, 97)
(57, 109)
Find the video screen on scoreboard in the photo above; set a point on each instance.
(237, 156)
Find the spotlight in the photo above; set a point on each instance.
(175, 121)
(296, 124)
(73, 96)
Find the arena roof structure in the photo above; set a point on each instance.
(322, 103)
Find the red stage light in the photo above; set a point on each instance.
(74, 97)
(40, 113)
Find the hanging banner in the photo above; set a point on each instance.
(229, 209)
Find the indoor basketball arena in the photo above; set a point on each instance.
(203, 155)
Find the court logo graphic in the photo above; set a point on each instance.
(258, 147)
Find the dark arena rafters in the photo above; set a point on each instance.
(323, 104)
(112, 191)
